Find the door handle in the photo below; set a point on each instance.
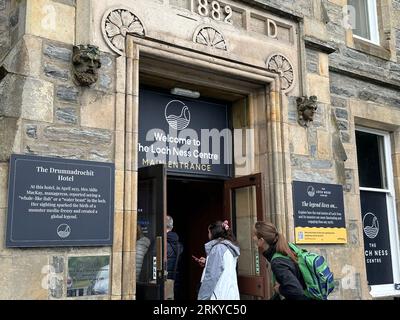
(159, 250)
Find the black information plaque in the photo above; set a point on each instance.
(319, 213)
(59, 202)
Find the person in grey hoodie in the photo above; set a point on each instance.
(219, 279)
(142, 246)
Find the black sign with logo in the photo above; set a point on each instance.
(319, 213)
(377, 252)
(190, 136)
(59, 202)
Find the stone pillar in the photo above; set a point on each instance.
(276, 160)
(130, 172)
(117, 275)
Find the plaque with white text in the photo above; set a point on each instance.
(319, 213)
(190, 136)
(59, 202)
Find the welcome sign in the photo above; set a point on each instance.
(189, 136)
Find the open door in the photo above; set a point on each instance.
(152, 191)
(243, 203)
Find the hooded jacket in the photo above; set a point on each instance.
(142, 245)
(219, 279)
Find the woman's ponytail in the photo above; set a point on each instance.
(270, 234)
(282, 247)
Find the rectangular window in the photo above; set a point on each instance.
(371, 160)
(378, 213)
(365, 20)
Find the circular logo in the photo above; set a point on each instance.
(311, 191)
(177, 115)
(63, 231)
(371, 225)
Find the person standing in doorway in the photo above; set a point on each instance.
(219, 279)
(174, 251)
(142, 246)
(289, 281)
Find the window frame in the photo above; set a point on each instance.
(373, 23)
(387, 289)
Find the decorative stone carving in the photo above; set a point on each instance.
(306, 108)
(117, 23)
(278, 63)
(86, 62)
(210, 37)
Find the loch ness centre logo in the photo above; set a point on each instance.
(371, 225)
(63, 231)
(177, 115)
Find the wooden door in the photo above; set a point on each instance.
(243, 203)
(152, 204)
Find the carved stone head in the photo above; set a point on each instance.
(86, 62)
(306, 108)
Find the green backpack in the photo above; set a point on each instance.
(315, 271)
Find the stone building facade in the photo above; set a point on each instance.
(268, 54)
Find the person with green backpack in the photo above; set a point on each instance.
(297, 273)
(288, 280)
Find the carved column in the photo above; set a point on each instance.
(119, 26)
(130, 178)
(278, 151)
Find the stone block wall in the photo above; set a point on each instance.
(325, 152)
(44, 112)
(40, 92)
(4, 28)
(12, 24)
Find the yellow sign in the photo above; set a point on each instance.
(307, 235)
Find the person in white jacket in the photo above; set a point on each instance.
(219, 279)
(142, 246)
